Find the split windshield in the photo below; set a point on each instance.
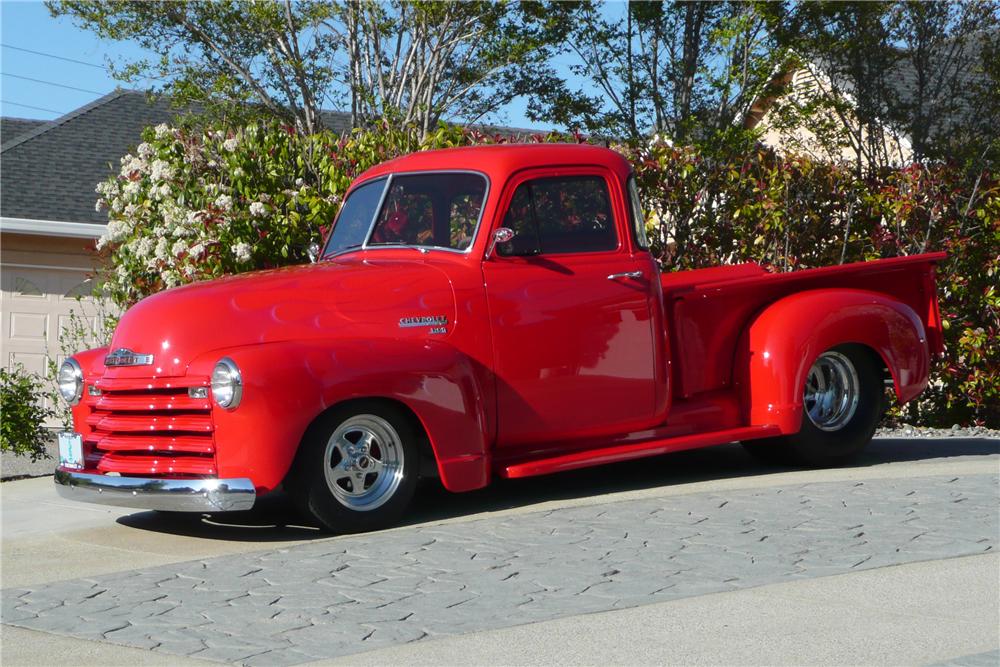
(434, 210)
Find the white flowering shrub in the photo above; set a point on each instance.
(192, 205)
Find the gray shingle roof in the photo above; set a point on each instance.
(49, 169)
(49, 172)
(11, 128)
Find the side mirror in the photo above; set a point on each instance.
(313, 252)
(501, 235)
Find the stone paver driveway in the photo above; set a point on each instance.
(344, 595)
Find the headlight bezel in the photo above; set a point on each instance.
(233, 382)
(72, 366)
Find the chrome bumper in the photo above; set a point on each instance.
(175, 495)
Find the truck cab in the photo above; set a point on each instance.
(480, 312)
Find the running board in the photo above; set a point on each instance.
(596, 457)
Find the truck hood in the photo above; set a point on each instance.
(348, 298)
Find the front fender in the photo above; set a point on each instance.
(782, 342)
(288, 384)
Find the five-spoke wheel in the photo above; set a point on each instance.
(357, 467)
(364, 462)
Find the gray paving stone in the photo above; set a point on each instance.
(987, 659)
(351, 594)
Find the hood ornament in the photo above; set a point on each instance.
(126, 357)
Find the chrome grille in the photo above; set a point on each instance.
(149, 427)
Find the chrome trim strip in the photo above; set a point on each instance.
(175, 495)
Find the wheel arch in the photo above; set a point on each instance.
(781, 343)
(289, 385)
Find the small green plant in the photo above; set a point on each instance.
(22, 428)
(89, 325)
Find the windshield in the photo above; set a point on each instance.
(439, 210)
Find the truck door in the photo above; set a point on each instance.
(570, 306)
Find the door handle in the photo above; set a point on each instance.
(630, 274)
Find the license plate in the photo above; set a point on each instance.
(70, 450)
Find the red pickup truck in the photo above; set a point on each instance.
(477, 312)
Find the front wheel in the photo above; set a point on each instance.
(841, 404)
(357, 468)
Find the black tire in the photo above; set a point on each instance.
(841, 437)
(323, 479)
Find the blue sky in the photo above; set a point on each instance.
(27, 25)
(33, 85)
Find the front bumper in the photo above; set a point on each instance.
(175, 495)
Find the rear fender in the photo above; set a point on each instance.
(782, 342)
(288, 385)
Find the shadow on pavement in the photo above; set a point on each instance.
(274, 519)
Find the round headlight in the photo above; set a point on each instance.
(227, 383)
(70, 381)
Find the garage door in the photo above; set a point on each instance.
(37, 304)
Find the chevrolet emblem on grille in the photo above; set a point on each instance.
(126, 357)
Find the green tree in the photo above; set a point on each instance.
(901, 74)
(410, 62)
(222, 55)
(689, 70)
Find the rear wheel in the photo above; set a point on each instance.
(357, 468)
(841, 405)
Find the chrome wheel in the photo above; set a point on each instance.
(363, 462)
(832, 391)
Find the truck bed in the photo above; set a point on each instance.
(707, 310)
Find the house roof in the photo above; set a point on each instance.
(50, 169)
(11, 128)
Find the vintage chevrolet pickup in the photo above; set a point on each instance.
(476, 312)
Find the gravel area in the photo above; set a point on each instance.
(956, 431)
(19, 467)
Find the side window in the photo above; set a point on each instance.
(635, 212)
(564, 214)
